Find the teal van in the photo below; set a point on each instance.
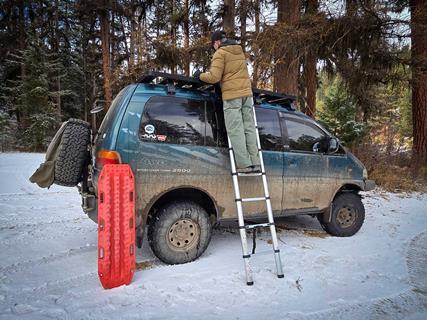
(170, 130)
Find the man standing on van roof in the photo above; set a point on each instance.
(228, 67)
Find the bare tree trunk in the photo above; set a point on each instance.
(56, 50)
(123, 30)
(140, 29)
(186, 38)
(205, 25)
(173, 36)
(105, 35)
(310, 67)
(113, 42)
(20, 113)
(257, 29)
(310, 83)
(351, 7)
(286, 72)
(243, 14)
(228, 17)
(419, 79)
(132, 40)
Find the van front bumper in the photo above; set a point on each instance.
(369, 185)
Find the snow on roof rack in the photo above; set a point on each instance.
(174, 80)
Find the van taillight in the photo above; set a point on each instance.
(104, 157)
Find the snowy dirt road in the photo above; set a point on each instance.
(48, 266)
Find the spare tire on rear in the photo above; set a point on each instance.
(73, 153)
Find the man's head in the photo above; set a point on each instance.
(217, 38)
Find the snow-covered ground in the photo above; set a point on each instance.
(48, 264)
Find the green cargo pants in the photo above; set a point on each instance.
(239, 122)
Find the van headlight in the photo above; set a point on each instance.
(365, 174)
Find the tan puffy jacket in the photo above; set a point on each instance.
(228, 67)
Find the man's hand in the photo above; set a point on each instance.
(196, 74)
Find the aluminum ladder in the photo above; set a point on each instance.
(242, 226)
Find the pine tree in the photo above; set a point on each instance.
(33, 97)
(8, 127)
(339, 115)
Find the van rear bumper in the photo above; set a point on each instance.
(369, 185)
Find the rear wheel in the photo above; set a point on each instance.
(180, 232)
(347, 216)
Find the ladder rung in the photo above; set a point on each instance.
(249, 174)
(253, 199)
(258, 225)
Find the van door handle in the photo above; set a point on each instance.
(292, 163)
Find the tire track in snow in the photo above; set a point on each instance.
(416, 261)
(32, 194)
(30, 237)
(394, 307)
(4, 225)
(62, 288)
(28, 264)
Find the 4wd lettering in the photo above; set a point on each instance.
(149, 136)
(153, 162)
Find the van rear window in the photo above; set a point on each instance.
(174, 120)
(110, 115)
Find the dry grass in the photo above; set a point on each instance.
(144, 265)
(308, 232)
(393, 171)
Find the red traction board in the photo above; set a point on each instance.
(116, 225)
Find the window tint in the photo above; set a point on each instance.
(216, 135)
(303, 137)
(268, 126)
(112, 110)
(270, 133)
(173, 120)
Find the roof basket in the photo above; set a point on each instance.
(173, 80)
(178, 80)
(283, 100)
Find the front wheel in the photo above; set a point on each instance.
(347, 216)
(180, 232)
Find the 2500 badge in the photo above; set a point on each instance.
(179, 170)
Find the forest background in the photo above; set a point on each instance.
(357, 66)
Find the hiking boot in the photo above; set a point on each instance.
(245, 170)
(256, 168)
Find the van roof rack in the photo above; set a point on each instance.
(174, 80)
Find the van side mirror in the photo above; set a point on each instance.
(333, 145)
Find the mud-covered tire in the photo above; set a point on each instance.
(347, 216)
(180, 232)
(72, 153)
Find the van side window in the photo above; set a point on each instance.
(270, 133)
(303, 137)
(173, 120)
(216, 135)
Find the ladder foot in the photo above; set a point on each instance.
(280, 275)
(250, 283)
